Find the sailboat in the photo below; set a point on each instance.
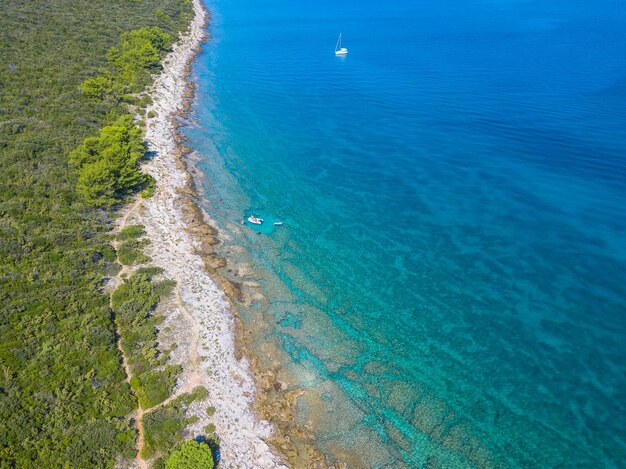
(338, 49)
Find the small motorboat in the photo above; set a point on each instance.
(254, 220)
(278, 223)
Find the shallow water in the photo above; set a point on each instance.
(449, 282)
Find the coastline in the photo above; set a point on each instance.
(269, 398)
(277, 391)
(199, 321)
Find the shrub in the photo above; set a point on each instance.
(198, 394)
(133, 303)
(163, 428)
(150, 187)
(131, 232)
(191, 455)
(97, 88)
(129, 253)
(153, 386)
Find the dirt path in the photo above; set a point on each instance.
(119, 278)
(194, 372)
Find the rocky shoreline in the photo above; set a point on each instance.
(180, 243)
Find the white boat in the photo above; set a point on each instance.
(278, 223)
(254, 220)
(338, 49)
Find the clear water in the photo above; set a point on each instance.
(449, 284)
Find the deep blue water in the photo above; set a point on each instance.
(449, 284)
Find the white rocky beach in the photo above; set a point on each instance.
(198, 317)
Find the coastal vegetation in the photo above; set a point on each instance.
(164, 425)
(191, 454)
(108, 165)
(129, 250)
(69, 154)
(133, 303)
(130, 66)
(152, 377)
(131, 232)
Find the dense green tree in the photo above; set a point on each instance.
(191, 455)
(98, 88)
(96, 183)
(139, 50)
(108, 165)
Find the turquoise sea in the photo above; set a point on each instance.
(449, 285)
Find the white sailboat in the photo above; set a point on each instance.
(338, 49)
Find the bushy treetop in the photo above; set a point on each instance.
(108, 165)
(191, 455)
(139, 50)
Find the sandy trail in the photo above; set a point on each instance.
(194, 379)
(123, 273)
(116, 282)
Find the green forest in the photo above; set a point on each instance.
(70, 73)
